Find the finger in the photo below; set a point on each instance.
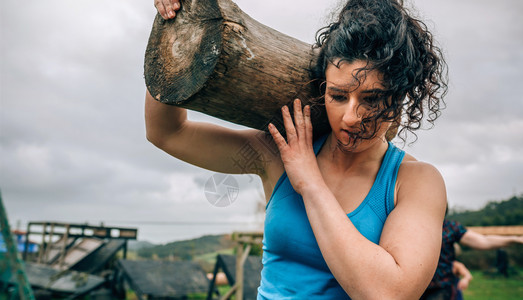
(288, 124)
(277, 137)
(161, 9)
(298, 118)
(169, 9)
(308, 124)
(176, 4)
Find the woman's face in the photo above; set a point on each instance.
(349, 98)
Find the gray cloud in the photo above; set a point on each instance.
(72, 132)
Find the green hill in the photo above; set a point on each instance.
(138, 245)
(188, 249)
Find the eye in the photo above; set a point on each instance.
(373, 100)
(338, 97)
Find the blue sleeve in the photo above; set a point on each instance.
(459, 230)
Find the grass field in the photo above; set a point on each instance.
(482, 287)
(487, 287)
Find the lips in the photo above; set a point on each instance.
(351, 133)
(348, 140)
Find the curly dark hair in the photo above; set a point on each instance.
(400, 47)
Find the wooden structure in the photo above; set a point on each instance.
(73, 258)
(251, 271)
(242, 271)
(66, 283)
(64, 245)
(96, 261)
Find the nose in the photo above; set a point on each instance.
(352, 114)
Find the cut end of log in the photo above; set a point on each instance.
(182, 53)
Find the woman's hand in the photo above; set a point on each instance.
(167, 8)
(297, 152)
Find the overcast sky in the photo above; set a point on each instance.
(72, 138)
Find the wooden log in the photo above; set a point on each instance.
(215, 59)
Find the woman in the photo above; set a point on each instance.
(349, 214)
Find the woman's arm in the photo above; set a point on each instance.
(206, 145)
(402, 265)
(486, 242)
(209, 146)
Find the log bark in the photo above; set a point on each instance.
(215, 59)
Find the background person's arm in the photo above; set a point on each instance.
(486, 242)
(463, 273)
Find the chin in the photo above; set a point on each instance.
(351, 146)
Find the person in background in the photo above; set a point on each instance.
(444, 284)
(502, 262)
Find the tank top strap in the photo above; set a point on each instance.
(385, 182)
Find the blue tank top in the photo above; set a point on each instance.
(293, 266)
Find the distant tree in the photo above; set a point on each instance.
(508, 212)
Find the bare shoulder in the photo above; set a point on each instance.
(420, 181)
(412, 171)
